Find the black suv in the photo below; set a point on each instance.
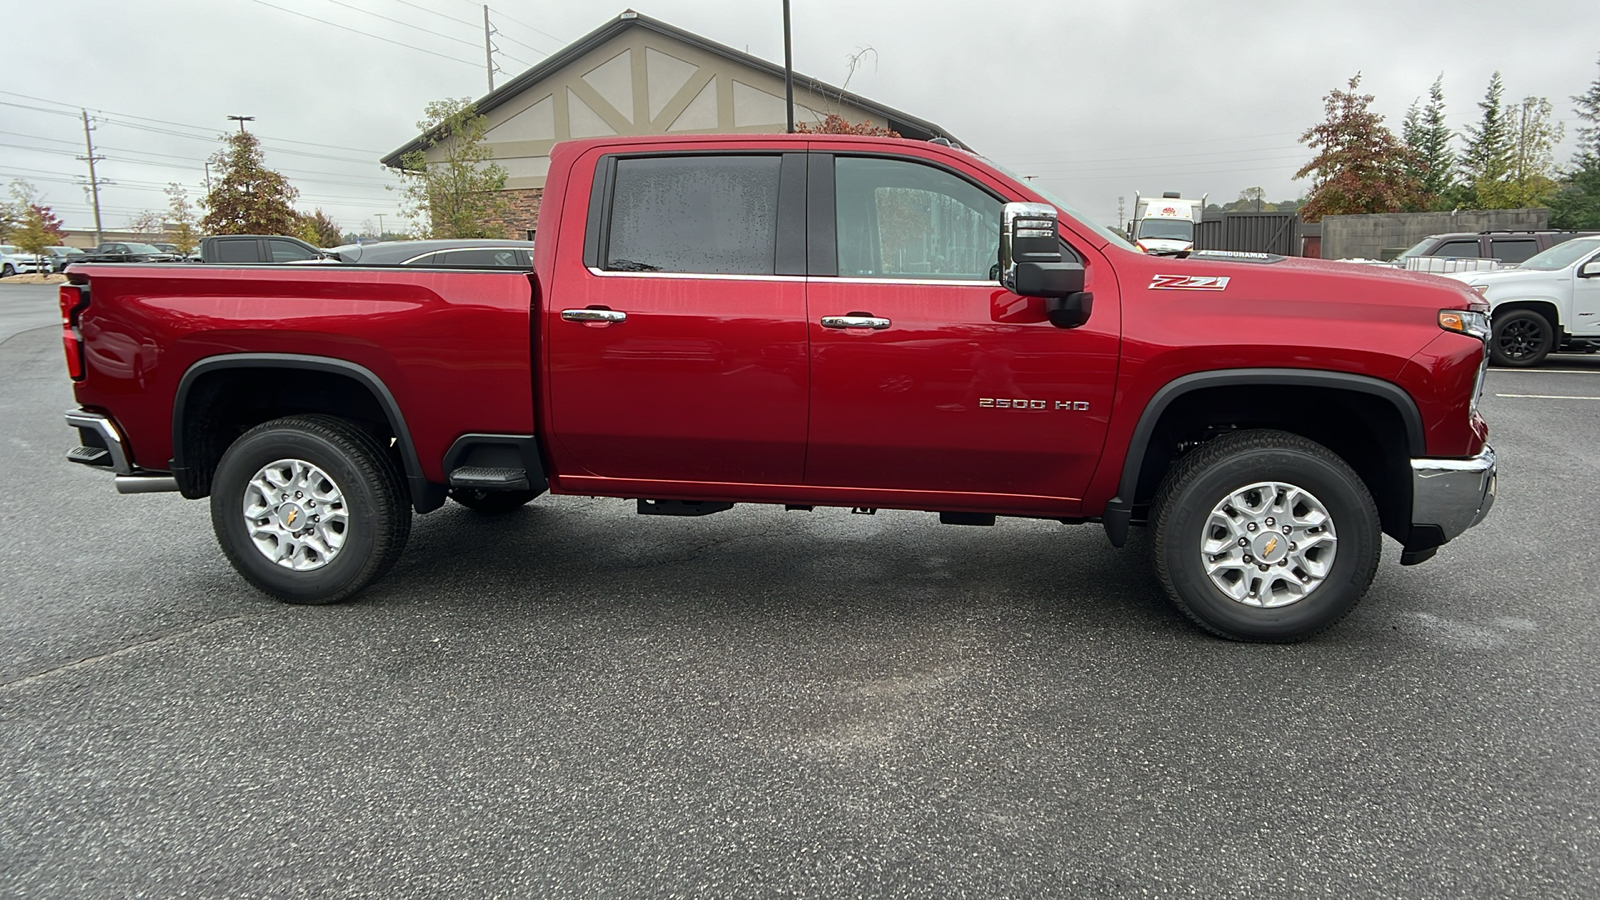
(1509, 247)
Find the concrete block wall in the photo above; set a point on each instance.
(1345, 237)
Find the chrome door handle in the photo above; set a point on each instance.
(855, 321)
(593, 315)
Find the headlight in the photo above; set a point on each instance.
(1465, 321)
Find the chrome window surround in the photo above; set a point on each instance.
(821, 279)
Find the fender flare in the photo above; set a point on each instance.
(424, 495)
(1119, 509)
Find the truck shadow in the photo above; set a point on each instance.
(595, 553)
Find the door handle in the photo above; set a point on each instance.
(593, 315)
(855, 320)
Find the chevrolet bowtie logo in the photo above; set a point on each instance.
(295, 512)
(1271, 546)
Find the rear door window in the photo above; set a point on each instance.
(484, 258)
(242, 251)
(714, 215)
(1513, 250)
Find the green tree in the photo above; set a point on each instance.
(1487, 159)
(1359, 166)
(37, 229)
(1530, 167)
(451, 184)
(246, 197)
(185, 232)
(1576, 202)
(1433, 163)
(319, 230)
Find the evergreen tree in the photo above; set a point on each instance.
(1488, 155)
(1576, 203)
(1360, 166)
(1425, 132)
(246, 197)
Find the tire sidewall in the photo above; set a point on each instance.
(1355, 559)
(349, 569)
(1499, 356)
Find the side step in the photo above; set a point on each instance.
(682, 507)
(90, 456)
(485, 478)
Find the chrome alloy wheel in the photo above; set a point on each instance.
(295, 515)
(1268, 544)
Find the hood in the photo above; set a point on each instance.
(1501, 276)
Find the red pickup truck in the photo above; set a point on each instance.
(806, 320)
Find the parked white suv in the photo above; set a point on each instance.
(15, 262)
(1550, 302)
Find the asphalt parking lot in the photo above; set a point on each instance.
(574, 701)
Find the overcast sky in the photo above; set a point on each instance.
(1096, 99)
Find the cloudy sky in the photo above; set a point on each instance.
(1096, 99)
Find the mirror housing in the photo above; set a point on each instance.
(1590, 269)
(1032, 265)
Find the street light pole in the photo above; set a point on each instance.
(788, 67)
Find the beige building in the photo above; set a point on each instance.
(636, 75)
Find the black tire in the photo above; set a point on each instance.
(1521, 339)
(491, 503)
(7, 271)
(1209, 474)
(376, 503)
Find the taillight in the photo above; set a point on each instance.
(74, 298)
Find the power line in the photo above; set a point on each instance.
(472, 44)
(366, 34)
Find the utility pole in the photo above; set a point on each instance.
(788, 67)
(1119, 212)
(94, 183)
(241, 120)
(488, 54)
(380, 226)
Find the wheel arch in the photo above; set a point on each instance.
(368, 396)
(1179, 412)
(1541, 305)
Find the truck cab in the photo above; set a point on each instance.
(1165, 226)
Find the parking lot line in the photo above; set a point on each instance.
(1545, 397)
(1546, 371)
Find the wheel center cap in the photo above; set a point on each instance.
(293, 516)
(1270, 547)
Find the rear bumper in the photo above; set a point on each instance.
(102, 447)
(1452, 495)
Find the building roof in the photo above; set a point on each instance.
(906, 124)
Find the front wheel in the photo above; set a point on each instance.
(309, 509)
(1521, 339)
(1265, 536)
(7, 270)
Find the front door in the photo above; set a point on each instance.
(1586, 300)
(677, 349)
(926, 373)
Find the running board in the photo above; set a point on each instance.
(485, 478)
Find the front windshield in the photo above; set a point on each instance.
(1064, 206)
(1414, 250)
(1562, 255)
(1166, 229)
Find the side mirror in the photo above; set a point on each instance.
(1031, 263)
(1591, 269)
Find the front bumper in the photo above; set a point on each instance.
(1451, 495)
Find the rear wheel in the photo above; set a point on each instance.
(1265, 536)
(491, 503)
(1521, 338)
(310, 509)
(7, 270)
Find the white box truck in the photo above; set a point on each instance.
(1164, 226)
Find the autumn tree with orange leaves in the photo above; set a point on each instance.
(1360, 166)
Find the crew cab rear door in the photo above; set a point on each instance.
(677, 337)
(927, 375)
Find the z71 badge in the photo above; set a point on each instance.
(1189, 283)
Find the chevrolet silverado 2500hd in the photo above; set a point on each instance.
(806, 320)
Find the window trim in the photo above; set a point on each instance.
(790, 239)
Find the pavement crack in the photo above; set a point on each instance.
(87, 661)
